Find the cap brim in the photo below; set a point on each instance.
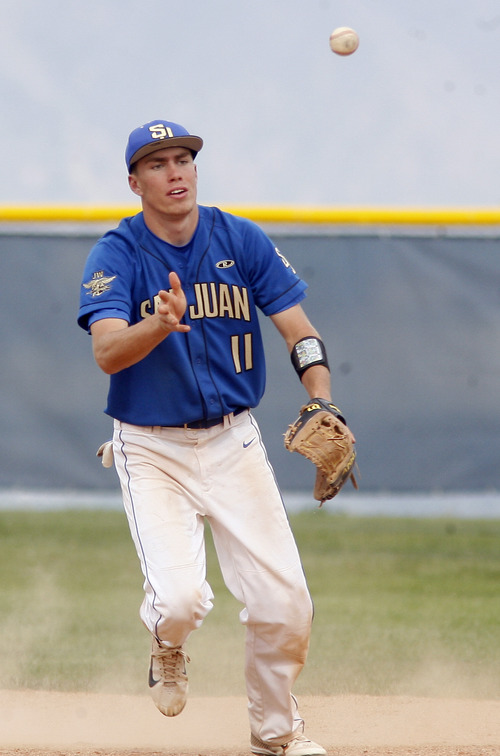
(191, 142)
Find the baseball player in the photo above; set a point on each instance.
(170, 298)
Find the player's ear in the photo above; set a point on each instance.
(134, 184)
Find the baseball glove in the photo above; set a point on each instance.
(320, 433)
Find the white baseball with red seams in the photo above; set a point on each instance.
(344, 41)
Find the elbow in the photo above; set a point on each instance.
(107, 345)
(105, 362)
(106, 368)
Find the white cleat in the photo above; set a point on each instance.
(168, 681)
(298, 746)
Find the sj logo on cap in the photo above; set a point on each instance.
(159, 131)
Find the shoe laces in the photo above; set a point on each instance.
(296, 739)
(172, 662)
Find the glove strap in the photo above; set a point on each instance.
(325, 404)
(307, 352)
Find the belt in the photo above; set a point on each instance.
(210, 423)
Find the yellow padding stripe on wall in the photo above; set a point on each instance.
(408, 216)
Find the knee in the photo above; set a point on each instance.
(286, 618)
(295, 609)
(299, 616)
(188, 607)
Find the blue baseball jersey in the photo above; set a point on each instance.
(228, 271)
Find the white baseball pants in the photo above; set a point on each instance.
(174, 478)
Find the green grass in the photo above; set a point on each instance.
(402, 606)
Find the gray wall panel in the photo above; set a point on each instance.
(412, 329)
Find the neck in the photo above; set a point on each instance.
(176, 230)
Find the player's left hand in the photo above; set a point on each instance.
(321, 434)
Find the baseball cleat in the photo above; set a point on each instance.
(299, 746)
(168, 681)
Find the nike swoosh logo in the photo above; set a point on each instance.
(152, 681)
(246, 444)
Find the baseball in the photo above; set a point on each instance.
(344, 41)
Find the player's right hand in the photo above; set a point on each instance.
(173, 306)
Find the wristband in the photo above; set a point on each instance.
(307, 352)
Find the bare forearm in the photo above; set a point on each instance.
(118, 346)
(316, 381)
(117, 349)
(293, 326)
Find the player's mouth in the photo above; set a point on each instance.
(177, 192)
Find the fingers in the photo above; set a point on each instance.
(175, 282)
(170, 320)
(170, 303)
(175, 288)
(173, 305)
(165, 299)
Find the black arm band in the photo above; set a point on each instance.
(308, 352)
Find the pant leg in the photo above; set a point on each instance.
(261, 566)
(155, 469)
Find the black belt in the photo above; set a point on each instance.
(210, 423)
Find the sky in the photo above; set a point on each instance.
(411, 119)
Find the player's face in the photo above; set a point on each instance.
(166, 181)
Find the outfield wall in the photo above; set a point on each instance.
(410, 317)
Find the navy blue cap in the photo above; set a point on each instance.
(156, 135)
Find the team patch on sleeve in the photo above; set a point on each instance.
(98, 284)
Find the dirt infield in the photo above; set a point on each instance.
(37, 723)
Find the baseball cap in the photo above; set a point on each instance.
(156, 135)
